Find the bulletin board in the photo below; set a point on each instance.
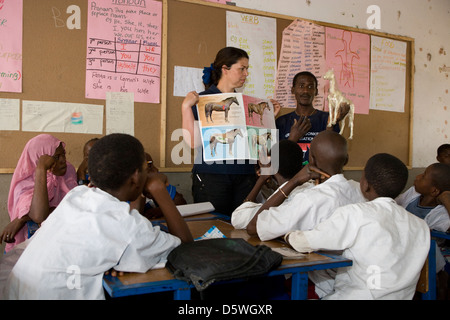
(54, 69)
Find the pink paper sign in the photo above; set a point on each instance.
(124, 49)
(11, 16)
(348, 54)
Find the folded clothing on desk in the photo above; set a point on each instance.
(205, 262)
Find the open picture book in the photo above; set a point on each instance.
(235, 126)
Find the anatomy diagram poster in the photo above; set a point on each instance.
(348, 54)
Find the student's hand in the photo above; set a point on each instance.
(46, 162)
(299, 128)
(115, 273)
(11, 230)
(323, 176)
(265, 165)
(276, 107)
(309, 172)
(444, 198)
(190, 100)
(82, 169)
(156, 182)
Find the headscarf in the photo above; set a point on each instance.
(22, 183)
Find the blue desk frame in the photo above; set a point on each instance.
(431, 293)
(182, 290)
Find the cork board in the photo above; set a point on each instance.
(54, 66)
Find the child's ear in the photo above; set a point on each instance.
(134, 179)
(346, 161)
(435, 192)
(365, 187)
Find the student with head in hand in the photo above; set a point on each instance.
(40, 181)
(283, 213)
(94, 230)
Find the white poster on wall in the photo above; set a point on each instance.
(44, 116)
(10, 114)
(257, 36)
(388, 74)
(120, 112)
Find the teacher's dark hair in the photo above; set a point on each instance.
(113, 159)
(225, 57)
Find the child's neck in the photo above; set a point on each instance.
(428, 201)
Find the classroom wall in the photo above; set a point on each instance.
(428, 22)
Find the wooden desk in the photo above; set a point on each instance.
(162, 280)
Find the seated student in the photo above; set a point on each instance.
(149, 208)
(41, 179)
(93, 229)
(290, 158)
(443, 153)
(422, 199)
(428, 199)
(387, 244)
(82, 171)
(328, 155)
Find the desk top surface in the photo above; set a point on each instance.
(199, 227)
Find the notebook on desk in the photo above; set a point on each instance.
(187, 210)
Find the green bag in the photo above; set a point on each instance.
(207, 261)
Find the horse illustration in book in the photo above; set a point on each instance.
(335, 102)
(262, 141)
(258, 109)
(224, 138)
(222, 106)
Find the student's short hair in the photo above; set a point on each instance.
(386, 174)
(442, 148)
(113, 159)
(290, 158)
(440, 176)
(304, 73)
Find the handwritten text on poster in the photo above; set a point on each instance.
(11, 45)
(124, 49)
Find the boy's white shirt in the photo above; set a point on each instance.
(243, 214)
(303, 210)
(90, 232)
(387, 244)
(437, 219)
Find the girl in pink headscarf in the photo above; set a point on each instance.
(41, 180)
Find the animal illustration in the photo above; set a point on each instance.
(262, 141)
(335, 102)
(258, 109)
(222, 106)
(224, 138)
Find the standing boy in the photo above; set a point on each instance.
(305, 122)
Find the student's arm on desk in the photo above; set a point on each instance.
(334, 233)
(155, 188)
(308, 172)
